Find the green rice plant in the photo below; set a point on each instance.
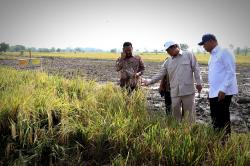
(50, 120)
(234, 152)
(119, 160)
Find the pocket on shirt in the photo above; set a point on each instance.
(171, 70)
(186, 66)
(186, 72)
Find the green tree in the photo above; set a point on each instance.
(184, 46)
(32, 49)
(78, 49)
(113, 50)
(237, 51)
(155, 51)
(18, 48)
(4, 47)
(52, 49)
(43, 50)
(245, 51)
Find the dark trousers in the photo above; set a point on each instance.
(220, 113)
(168, 102)
(128, 88)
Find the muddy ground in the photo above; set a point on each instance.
(104, 70)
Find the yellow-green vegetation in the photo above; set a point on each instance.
(90, 55)
(240, 59)
(148, 57)
(46, 120)
(243, 60)
(203, 58)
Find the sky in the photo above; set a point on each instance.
(107, 24)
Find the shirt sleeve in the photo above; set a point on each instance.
(228, 60)
(119, 64)
(195, 69)
(141, 66)
(160, 74)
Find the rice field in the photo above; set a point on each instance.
(149, 57)
(50, 120)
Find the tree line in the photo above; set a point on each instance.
(5, 47)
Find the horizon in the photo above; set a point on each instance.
(106, 25)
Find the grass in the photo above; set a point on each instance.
(148, 57)
(49, 120)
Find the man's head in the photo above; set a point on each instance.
(208, 42)
(127, 48)
(172, 48)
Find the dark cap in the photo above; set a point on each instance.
(206, 38)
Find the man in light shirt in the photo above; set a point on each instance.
(181, 68)
(222, 82)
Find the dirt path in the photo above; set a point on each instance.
(104, 70)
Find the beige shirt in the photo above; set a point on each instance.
(128, 67)
(182, 69)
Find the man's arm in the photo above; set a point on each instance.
(229, 64)
(196, 71)
(141, 67)
(159, 75)
(120, 62)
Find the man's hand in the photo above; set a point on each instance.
(199, 87)
(123, 55)
(221, 95)
(137, 75)
(145, 82)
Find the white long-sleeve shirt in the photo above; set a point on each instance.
(221, 73)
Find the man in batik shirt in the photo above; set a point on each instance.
(130, 67)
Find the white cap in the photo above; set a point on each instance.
(169, 43)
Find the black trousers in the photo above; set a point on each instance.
(168, 102)
(220, 113)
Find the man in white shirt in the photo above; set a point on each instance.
(182, 68)
(222, 82)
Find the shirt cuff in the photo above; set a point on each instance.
(198, 82)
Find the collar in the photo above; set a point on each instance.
(215, 50)
(127, 57)
(180, 53)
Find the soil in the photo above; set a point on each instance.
(104, 70)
